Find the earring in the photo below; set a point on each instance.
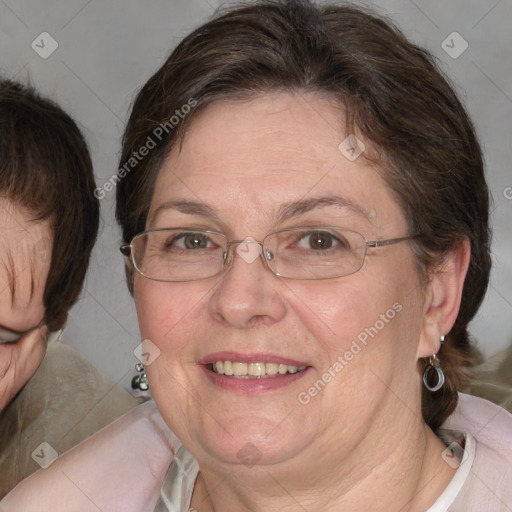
(433, 362)
(140, 381)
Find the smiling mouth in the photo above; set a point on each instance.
(258, 370)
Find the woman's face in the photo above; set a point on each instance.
(25, 254)
(243, 164)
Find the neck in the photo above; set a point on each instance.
(401, 470)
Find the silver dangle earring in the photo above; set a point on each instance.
(433, 362)
(140, 381)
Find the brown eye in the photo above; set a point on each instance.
(320, 240)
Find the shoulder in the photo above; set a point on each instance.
(43, 412)
(490, 480)
(490, 424)
(121, 468)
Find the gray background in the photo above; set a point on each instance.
(108, 49)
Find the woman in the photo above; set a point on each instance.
(307, 244)
(45, 174)
(49, 220)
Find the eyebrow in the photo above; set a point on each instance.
(302, 206)
(285, 212)
(187, 207)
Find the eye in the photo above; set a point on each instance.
(189, 241)
(320, 241)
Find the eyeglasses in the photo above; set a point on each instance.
(305, 253)
(8, 336)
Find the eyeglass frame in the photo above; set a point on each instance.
(126, 250)
(15, 336)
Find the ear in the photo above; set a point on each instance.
(442, 299)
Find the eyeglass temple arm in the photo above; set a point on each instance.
(390, 241)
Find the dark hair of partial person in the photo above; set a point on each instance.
(395, 97)
(45, 167)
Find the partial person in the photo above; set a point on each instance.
(49, 220)
(306, 247)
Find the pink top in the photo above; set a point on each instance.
(488, 487)
(122, 468)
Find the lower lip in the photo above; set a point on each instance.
(246, 386)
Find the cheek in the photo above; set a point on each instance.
(365, 334)
(341, 309)
(153, 311)
(167, 311)
(377, 312)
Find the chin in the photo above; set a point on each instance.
(249, 440)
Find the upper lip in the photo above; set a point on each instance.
(250, 358)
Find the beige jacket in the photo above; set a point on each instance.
(66, 401)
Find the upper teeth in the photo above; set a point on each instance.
(254, 369)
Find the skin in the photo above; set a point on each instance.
(24, 263)
(361, 443)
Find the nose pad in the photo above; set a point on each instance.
(228, 258)
(245, 296)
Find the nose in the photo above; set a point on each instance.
(248, 292)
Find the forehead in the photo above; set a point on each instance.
(252, 156)
(25, 254)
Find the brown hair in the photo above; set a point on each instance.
(395, 96)
(45, 167)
